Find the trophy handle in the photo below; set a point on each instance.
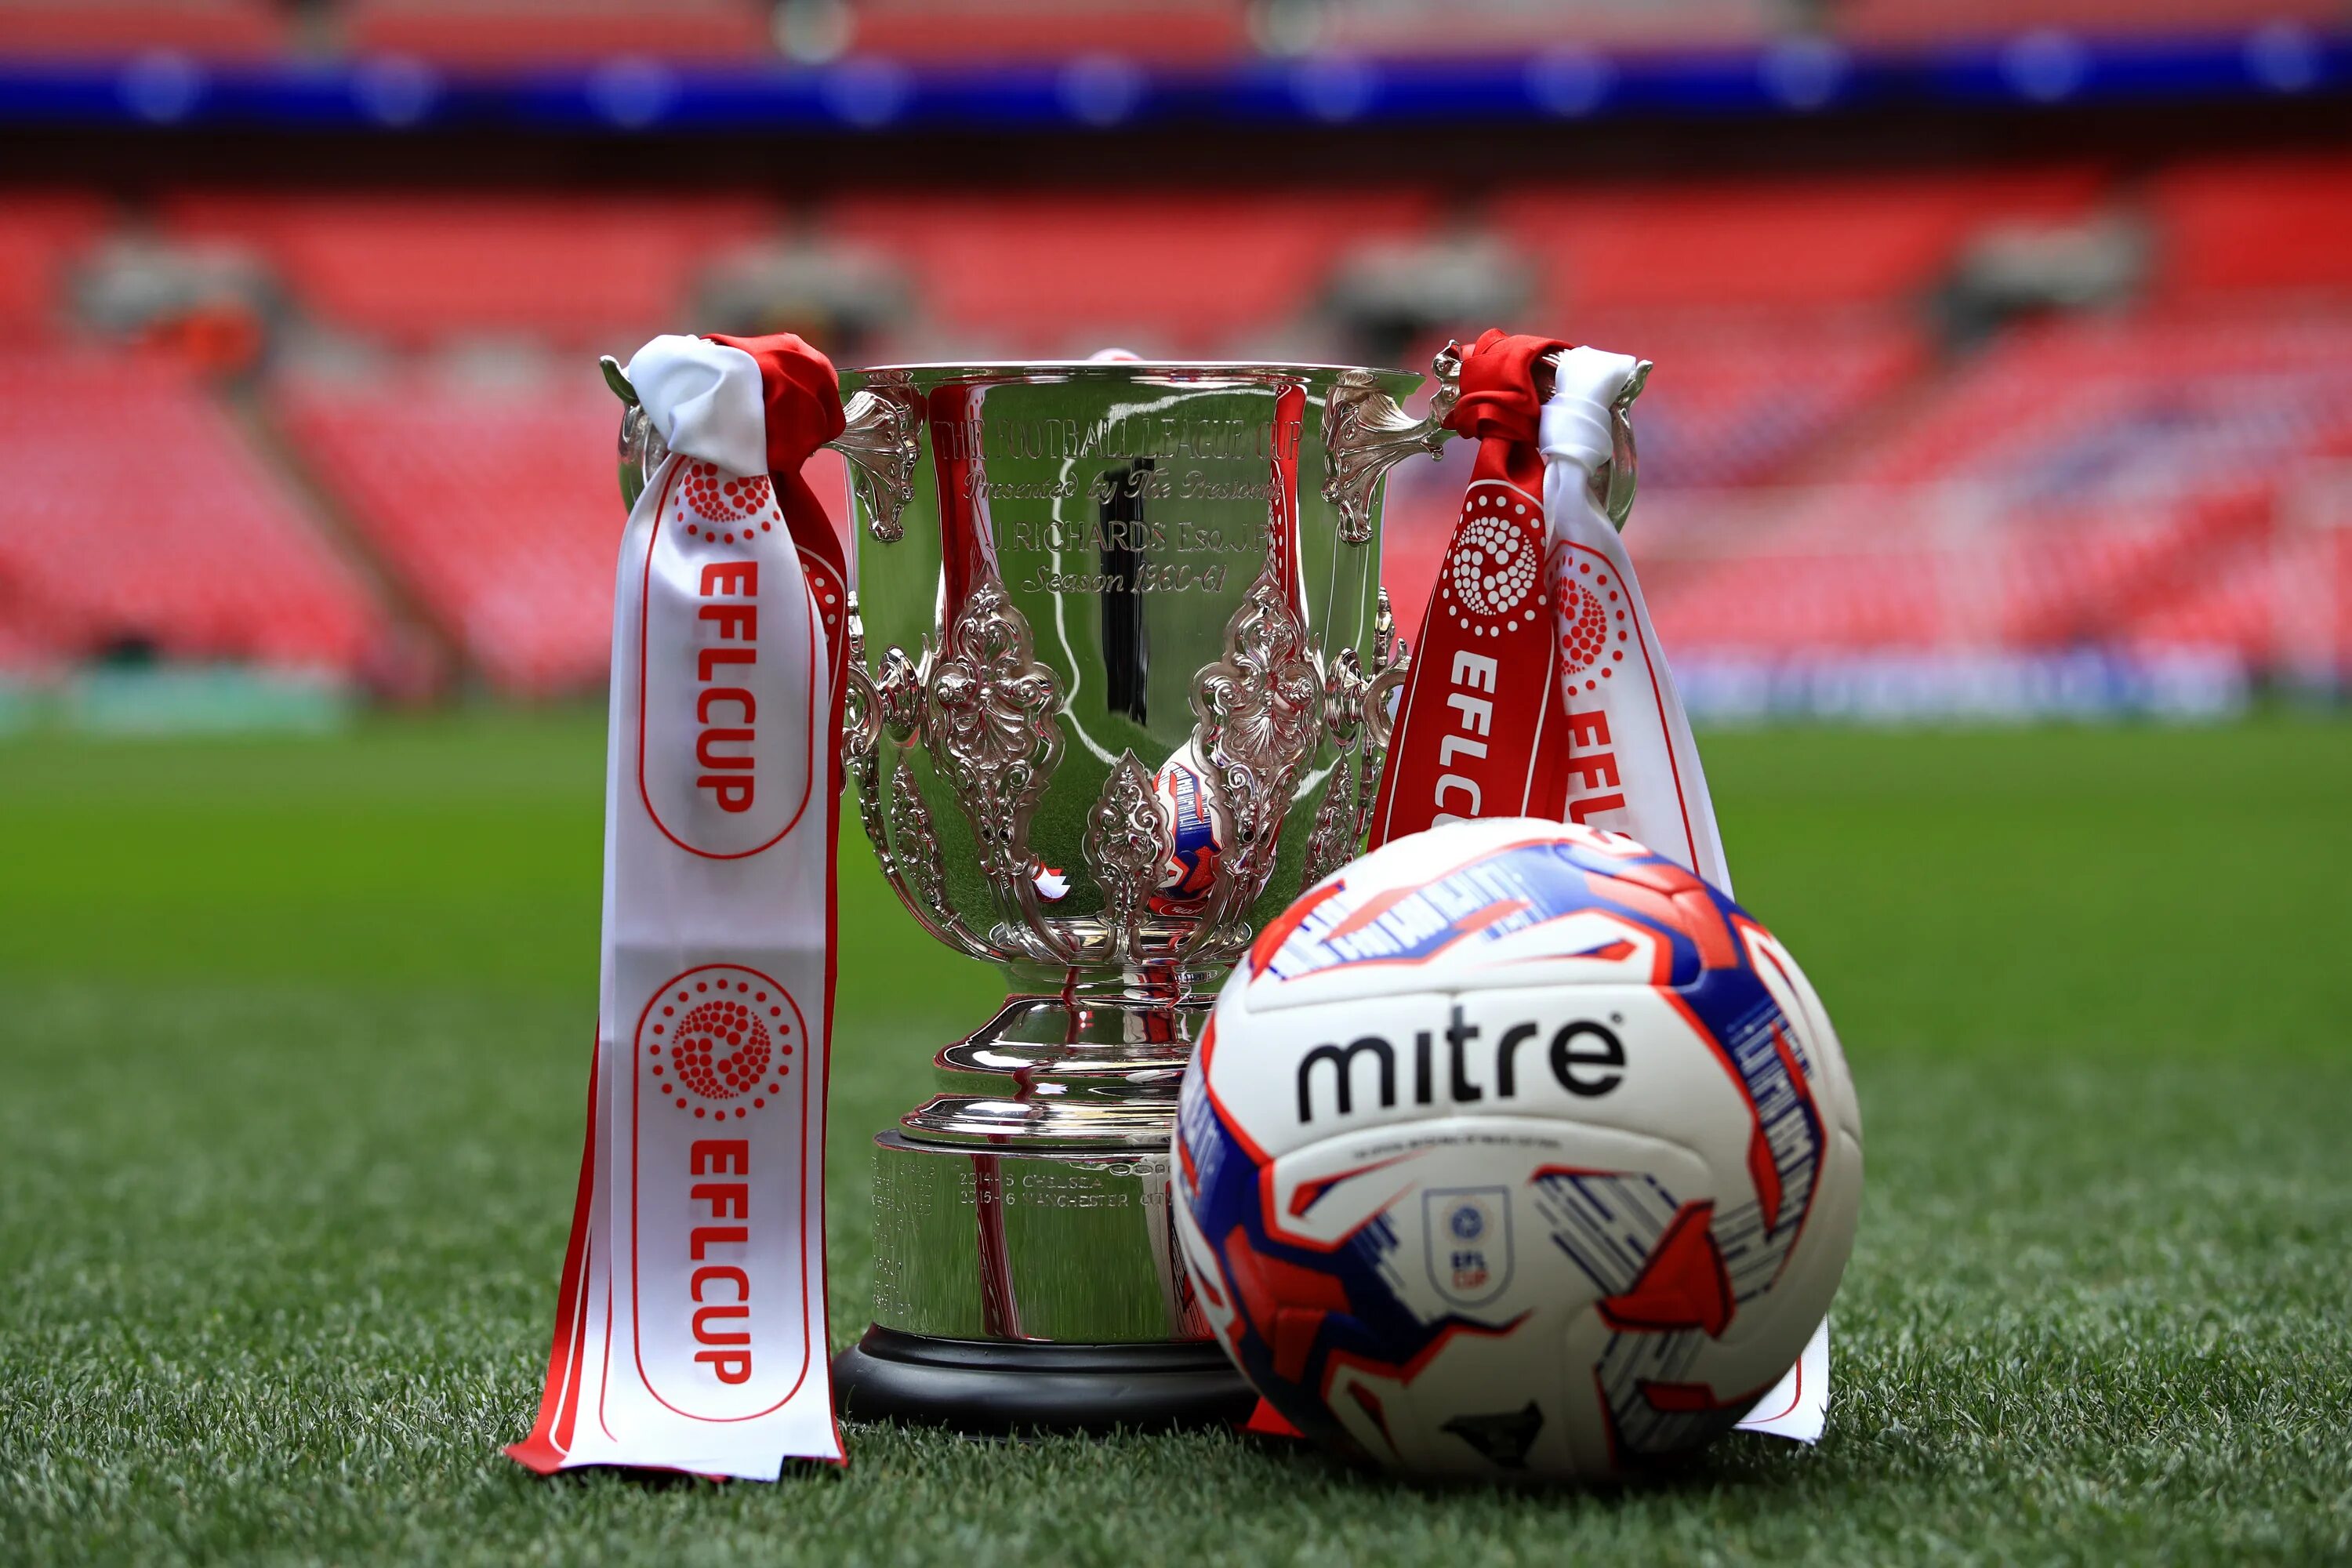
(878, 438)
(1366, 432)
(879, 441)
(1391, 663)
(1356, 718)
(1613, 483)
(641, 447)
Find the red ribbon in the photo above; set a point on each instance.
(802, 392)
(1480, 731)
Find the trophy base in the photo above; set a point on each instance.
(998, 1388)
(1026, 1271)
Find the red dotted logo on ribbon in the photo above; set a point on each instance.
(714, 505)
(717, 1042)
(1491, 582)
(1592, 626)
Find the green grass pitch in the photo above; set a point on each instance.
(292, 1046)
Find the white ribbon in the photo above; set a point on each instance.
(1636, 767)
(695, 1337)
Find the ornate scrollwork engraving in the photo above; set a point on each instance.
(879, 441)
(1366, 433)
(1258, 712)
(898, 693)
(861, 734)
(1333, 842)
(1343, 698)
(916, 868)
(1391, 663)
(989, 727)
(899, 826)
(1127, 844)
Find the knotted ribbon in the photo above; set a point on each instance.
(1481, 731)
(690, 1324)
(1539, 688)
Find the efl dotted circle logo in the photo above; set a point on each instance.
(1491, 581)
(719, 1042)
(719, 505)
(1593, 627)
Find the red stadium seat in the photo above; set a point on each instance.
(1746, 398)
(1193, 273)
(41, 236)
(2086, 483)
(2245, 225)
(597, 272)
(1819, 242)
(1915, 22)
(498, 510)
(2165, 403)
(533, 32)
(137, 513)
(112, 28)
(964, 31)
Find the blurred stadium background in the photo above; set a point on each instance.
(2005, 350)
(2004, 370)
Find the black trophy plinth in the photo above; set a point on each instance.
(998, 1388)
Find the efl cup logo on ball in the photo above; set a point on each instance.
(1517, 1149)
(1467, 1237)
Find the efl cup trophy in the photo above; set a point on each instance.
(1118, 694)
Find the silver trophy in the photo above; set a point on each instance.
(1119, 690)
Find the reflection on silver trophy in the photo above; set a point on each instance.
(1118, 694)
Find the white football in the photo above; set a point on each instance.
(1514, 1150)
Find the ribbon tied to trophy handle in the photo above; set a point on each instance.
(1368, 432)
(878, 441)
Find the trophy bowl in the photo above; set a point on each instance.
(1120, 674)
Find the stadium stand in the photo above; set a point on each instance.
(496, 506)
(2241, 225)
(1181, 34)
(1767, 244)
(1162, 32)
(1911, 22)
(1041, 275)
(41, 234)
(137, 518)
(1824, 472)
(553, 32)
(1743, 399)
(588, 272)
(2082, 482)
(232, 29)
